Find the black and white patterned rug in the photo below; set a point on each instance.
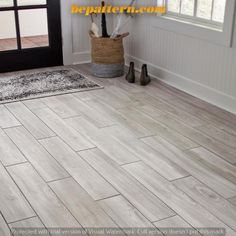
(22, 86)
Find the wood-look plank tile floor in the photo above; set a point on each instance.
(123, 156)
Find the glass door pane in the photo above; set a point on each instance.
(8, 39)
(33, 28)
(6, 3)
(30, 2)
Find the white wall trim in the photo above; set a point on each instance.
(81, 57)
(66, 25)
(203, 92)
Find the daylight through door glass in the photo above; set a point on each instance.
(6, 3)
(31, 2)
(7, 31)
(33, 28)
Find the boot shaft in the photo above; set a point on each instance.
(130, 77)
(144, 78)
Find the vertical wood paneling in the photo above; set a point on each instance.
(201, 61)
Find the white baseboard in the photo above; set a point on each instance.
(81, 57)
(198, 90)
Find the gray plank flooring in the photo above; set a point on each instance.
(119, 157)
(42, 161)
(79, 169)
(4, 229)
(30, 121)
(44, 201)
(214, 203)
(124, 214)
(10, 154)
(13, 204)
(81, 205)
(175, 223)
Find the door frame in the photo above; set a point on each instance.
(29, 58)
(67, 34)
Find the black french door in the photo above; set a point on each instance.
(30, 34)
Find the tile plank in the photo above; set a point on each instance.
(42, 161)
(4, 230)
(35, 104)
(141, 198)
(77, 141)
(233, 200)
(13, 205)
(124, 214)
(166, 107)
(103, 140)
(206, 141)
(81, 205)
(219, 134)
(30, 121)
(110, 96)
(34, 224)
(84, 174)
(59, 104)
(114, 115)
(175, 223)
(7, 119)
(9, 153)
(210, 200)
(197, 167)
(159, 129)
(162, 164)
(71, 103)
(47, 206)
(213, 162)
(182, 204)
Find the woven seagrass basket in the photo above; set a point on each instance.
(108, 56)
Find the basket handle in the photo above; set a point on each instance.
(121, 36)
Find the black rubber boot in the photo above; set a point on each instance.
(130, 77)
(144, 78)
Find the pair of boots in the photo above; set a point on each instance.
(144, 77)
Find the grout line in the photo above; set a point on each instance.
(190, 149)
(33, 210)
(28, 161)
(42, 139)
(130, 176)
(147, 136)
(36, 215)
(133, 162)
(198, 202)
(64, 120)
(70, 117)
(4, 219)
(55, 180)
(13, 222)
(83, 150)
(23, 162)
(15, 126)
(168, 217)
(105, 198)
(9, 109)
(184, 177)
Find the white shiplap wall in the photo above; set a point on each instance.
(198, 67)
(75, 31)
